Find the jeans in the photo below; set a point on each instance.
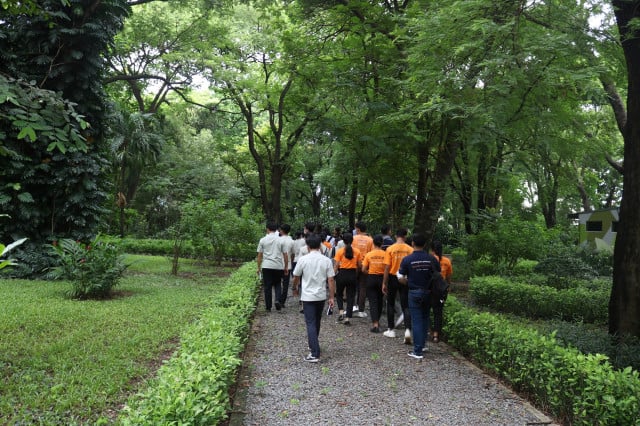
(272, 279)
(312, 317)
(419, 308)
(346, 280)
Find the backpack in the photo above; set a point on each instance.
(438, 286)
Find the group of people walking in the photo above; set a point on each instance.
(347, 269)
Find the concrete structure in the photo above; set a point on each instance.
(597, 228)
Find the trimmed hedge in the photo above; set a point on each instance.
(576, 388)
(242, 251)
(533, 301)
(193, 386)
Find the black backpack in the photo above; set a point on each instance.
(438, 286)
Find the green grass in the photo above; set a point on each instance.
(67, 362)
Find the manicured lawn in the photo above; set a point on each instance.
(64, 361)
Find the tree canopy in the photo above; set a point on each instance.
(401, 113)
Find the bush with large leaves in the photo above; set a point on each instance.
(49, 188)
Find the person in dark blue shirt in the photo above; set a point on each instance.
(415, 272)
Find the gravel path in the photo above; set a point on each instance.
(363, 378)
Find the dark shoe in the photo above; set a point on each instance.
(346, 322)
(277, 306)
(311, 358)
(375, 330)
(414, 355)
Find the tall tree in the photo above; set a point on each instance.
(624, 306)
(60, 49)
(264, 74)
(161, 51)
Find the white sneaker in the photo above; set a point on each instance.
(360, 314)
(389, 333)
(355, 308)
(407, 337)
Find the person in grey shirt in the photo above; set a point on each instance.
(287, 247)
(273, 263)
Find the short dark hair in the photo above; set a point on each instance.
(272, 226)
(313, 241)
(401, 232)
(361, 226)
(285, 227)
(385, 229)
(419, 240)
(378, 240)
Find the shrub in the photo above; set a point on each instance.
(150, 246)
(217, 232)
(33, 260)
(590, 339)
(93, 269)
(461, 266)
(579, 389)
(599, 261)
(531, 301)
(562, 268)
(507, 240)
(193, 386)
(4, 250)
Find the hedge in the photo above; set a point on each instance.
(578, 389)
(537, 301)
(193, 386)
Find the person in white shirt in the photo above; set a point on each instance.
(311, 275)
(273, 262)
(288, 248)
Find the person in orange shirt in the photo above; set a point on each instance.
(347, 261)
(438, 305)
(390, 286)
(363, 242)
(373, 266)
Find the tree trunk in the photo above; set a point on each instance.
(624, 305)
(435, 188)
(549, 200)
(353, 199)
(275, 212)
(422, 192)
(465, 190)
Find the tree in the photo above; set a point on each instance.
(160, 51)
(59, 49)
(365, 63)
(624, 305)
(262, 74)
(135, 142)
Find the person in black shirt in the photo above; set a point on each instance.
(415, 271)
